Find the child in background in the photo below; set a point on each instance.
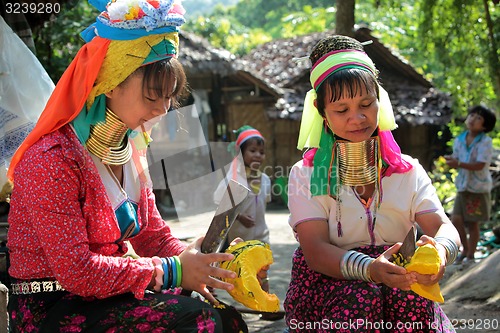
(251, 222)
(472, 153)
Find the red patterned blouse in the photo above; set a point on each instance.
(62, 225)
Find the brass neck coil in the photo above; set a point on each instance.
(108, 140)
(357, 162)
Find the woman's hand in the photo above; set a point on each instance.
(198, 270)
(236, 241)
(382, 270)
(429, 279)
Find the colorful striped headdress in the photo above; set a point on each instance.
(246, 132)
(243, 133)
(313, 134)
(333, 62)
(126, 35)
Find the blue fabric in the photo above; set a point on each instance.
(479, 150)
(100, 5)
(126, 215)
(87, 118)
(150, 23)
(108, 32)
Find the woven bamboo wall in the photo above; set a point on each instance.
(281, 135)
(241, 113)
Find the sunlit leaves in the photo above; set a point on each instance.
(57, 41)
(307, 21)
(443, 178)
(445, 40)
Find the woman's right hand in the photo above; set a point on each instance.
(198, 271)
(382, 270)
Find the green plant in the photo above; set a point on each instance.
(443, 179)
(58, 39)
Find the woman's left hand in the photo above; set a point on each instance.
(198, 270)
(429, 279)
(382, 270)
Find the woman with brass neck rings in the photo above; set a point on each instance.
(352, 199)
(82, 193)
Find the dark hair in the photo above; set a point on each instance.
(348, 82)
(488, 115)
(259, 141)
(165, 78)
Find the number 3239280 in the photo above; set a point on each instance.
(477, 324)
(32, 8)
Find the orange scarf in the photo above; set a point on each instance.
(69, 96)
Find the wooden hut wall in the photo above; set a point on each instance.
(420, 142)
(239, 113)
(286, 133)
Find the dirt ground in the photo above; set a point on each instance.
(472, 293)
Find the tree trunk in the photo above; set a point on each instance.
(493, 57)
(345, 18)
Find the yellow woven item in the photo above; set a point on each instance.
(122, 59)
(426, 260)
(249, 258)
(6, 191)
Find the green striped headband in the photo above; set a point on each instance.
(332, 62)
(335, 61)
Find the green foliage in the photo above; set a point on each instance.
(449, 48)
(58, 40)
(445, 40)
(455, 33)
(258, 14)
(230, 28)
(195, 8)
(496, 139)
(307, 21)
(225, 32)
(443, 179)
